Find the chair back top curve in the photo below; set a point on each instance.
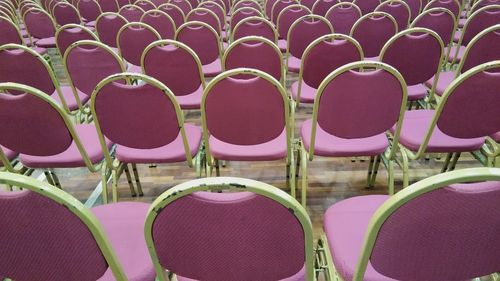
(107, 26)
(39, 23)
(161, 22)
(305, 30)
(202, 39)
(133, 38)
(399, 10)
(439, 20)
(342, 16)
(478, 21)
(10, 32)
(288, 16)
(479, 50)
(174, 12)
(71, 33)
(373, 30)
(255, 26)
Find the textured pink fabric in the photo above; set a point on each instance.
(416, 92)
(496, 136)
(213, 6)
(440, 22)
(145, 5)
(459, 55)
(287, 18)
(415, 7)
(251, 4)
(69, 97)
(123, 224)
(89, 9)
(278, 7)
(343, 18)
(269, 7)
(445, 79)
(9, 33)
(212, 69)
(39, 24)
(131, 13)
(307, 93)
(68, 36)
(122, 3)
(183, 5)
(490, 16)
(160, 23)
(445, 233)
(51, 234)
(293, 64)
(254, 28)
(322, 6)
(133, 40)
(107, 28)
(398, 11)
(49, 42)
(221, 238)
(206, 17)
(191, 101)
(203, 42)
(367, 6)
(108, 5)
(451, 5)
(299, 276)
(372, 33)
(483, 50)
(256, 108)
(9, 154)
(65, 13)
(303, 33)
(174, 12)
(241, 15)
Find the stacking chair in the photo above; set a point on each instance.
(174, 12)
(372, 31)
(65, 13)
(399, 10)
(89, 11)
(41, 26)
(109, 6)
(161, 22)
(206, 16)
(367, 6)
(194, 3)
(71, 33)
(417, 53)
(432, 230)
(132, 39)
(342, 16)
(178, 67)
(107, 26)
(247, 3)
(132, 13)
(416, 7)
(321, 57)
(464, 117)
(155, 135)
(205, 42)
(217, 9)
(259, 125)
(241, 14)
(348, 120)
(255, 26)
(56, 229)
(146, 5)
(10, 34)
(196, 215)
(452, 5)
(303, 31)
(184, 5)
(320, 7)
(278, 6)
(285, 20)
(122, 3)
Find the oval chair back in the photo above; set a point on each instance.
(255, 26)
(372, 31)
(133, 38)
(399, 10)
(202, 39)
(439, 20)
(288, 16)
(304, 31)
(9, 32)
(71, 33)
(107, 26)
(174, 12)
(342, 16)
(131, 12)
(89, 9)
(65, 13)
(161, 22)
(39, 23)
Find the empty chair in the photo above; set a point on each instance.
(132, 39)
(259, 125)
(217, 9)
(89, 10)
(206, 16)
(348, 120)
(178, 67)
(369, 237)
(65, 13)
(415, 7)
(132, 13)
(174, 12)
(285, 20)
(367, 6)
(194, 3)
(452, 5)
(342, 16)
(155, 135)
(268, 7)
(109, 5)
(241, 14)
(372, 31)
(71, 233)
(255, 52)
(10, 33)
(277, 248)
(146, 5)
(320, 7)
(107, 26)
(255, 26)
(278, 6)
(303, 31)
(41, 26)
(247, 3)
(184, 5)
(439, 20)
(161, 22)
(321, 57)
(205, 42)
(399, 10)
(70, 33)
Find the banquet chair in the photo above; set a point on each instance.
(342, 16)
(174, 12)
(71, 33)
(107, 26)
(285, 20)
(132, 39)
(399, 10)
(255, 26)
(161, 22)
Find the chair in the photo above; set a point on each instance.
(70, 33)
(452, 5)
(206, 16)
(41, 26)
(247, 3)
(285, 20)
(367, 6)
(278, 6)
(45, 222)
(415, 7)
(89, 10)
(303, 31)
(107, 26)
(424, 63)
(241, 14)
(205, 42)
(174, 12)
(122, 3)
(255, 26)
(132, 39)
(10, 34)
(372, 31)
(155, 135)
(320, 7)
(146, 5)
(457, 125)
(217, 9)
(342, 16)
(161, 22)
(277, 248)
(259, 128)
(194, 3)
(109, 6)
(370, 237)
(131, 12)
(184, 5)
(255, 52)
(178, 67)
(399, 10)
(321, 57)
(65, 13)
(346, 100)
(439, 20)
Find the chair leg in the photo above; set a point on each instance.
(129, 180)
(217, 168)
(446, 162)
(104, 183)
(48, 176)
(114, 185)
(370, 170)
(137, 180)
(303, 165)
(454, 161)
(406, 169)
(375, 171)
(55, 179)
(390, 176)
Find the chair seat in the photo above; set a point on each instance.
(275, 149)
(460, 55)
(212, 69)
(457, 35)
(345, 225)
(224, 35)
(24, 33)
(377, 58)
(90, 24)
(299, 276)
(293, 64)
(461, 23)
(133, 68)
(49, 42)
(445, 79)
(169, 153)
(69, 97)
(123, 224)
(333, 146)
(415, 126)
(71, 157)
(496, 136)
(191, 101)
(307, 93)
(9, 154)
(40, 51)
(282, 45)
(416, 92)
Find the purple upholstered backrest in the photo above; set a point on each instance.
(479, 21)
(367, 6)
(482, 3)
(242, 14)
(451, 5)
(445, 232)
(415, 7)
(438, 21)
(122, 3)
(89, 9)
(39, 24)
(161, 22)
(109, 5)
(278, 6)
(268, 7)
(9, 32)
(398, 11)
(288, 16)
(174, 12)
(372, 31)
(349, 106)
(133, 39)
(65, 13)
(255, 26)
(255, 105)
(322, 6)
(132, 13)
(44, 240)
(202, 40)
(184, 5)
(304, 31)
(107, 27)
(145, 5)
(70, 34)
(343, 16)
(471, 110)
(236, 236)
(206, 16)
(120, 112)
(247, 3)
(483, 51)
(217, 9)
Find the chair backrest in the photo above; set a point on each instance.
(399, 10)
(480, 49)
(342, 16)
(452, 5)
(131, 12)
(439, 20)
(9, 32)
(255, 52)
(50, 6)
(174, 12)
(189, 216)
(278, 6)
(305, 30)
(184, 5)
(65, 13)
(133, 38)
(175, 65)
(478, 21)
(241, 14)
(247, 3)
(288, 16)
(255, 26)
(39, 23)
(482, 3)
(88, 62)
(320, 7)
(367, 6)
(347, 104)
(206, 16)
(107, 26)
(268, 7)
(161, 22)
(427, 54)
(109, 5)
(437, 222)
(373, 30)
(23, 8)
(194, 3)
(146, 5)
(217, 9)
(45, 222)
(415, 7)
(202, 38)
(70, 33)
(89, 9)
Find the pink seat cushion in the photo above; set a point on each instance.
(69, 97)
(24, 33)
(170, 153)
(415, 126)
(417, 92)
(275, 149)
(461, 23)
(133, 68)
(299, 276)
(445, 79)
(293, 64)
(282, 45)
(90, 24)
(191, 101)
(212, 69)
(9, 154)
(496, 136)
(40, 51)
(345, 225)
(49, 42)
(457, 35)
(225, 45)
(460, 55)
(377, 58)
(224, 36)
(123, 224)
(307, 93)
(333, 146)
(71, 157)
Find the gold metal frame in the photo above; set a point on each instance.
(255, 18)
(156, 11)
(38, 10)
(176, 7)
(205, 10)
(71, 7)
(400, 2)
(199, 23)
